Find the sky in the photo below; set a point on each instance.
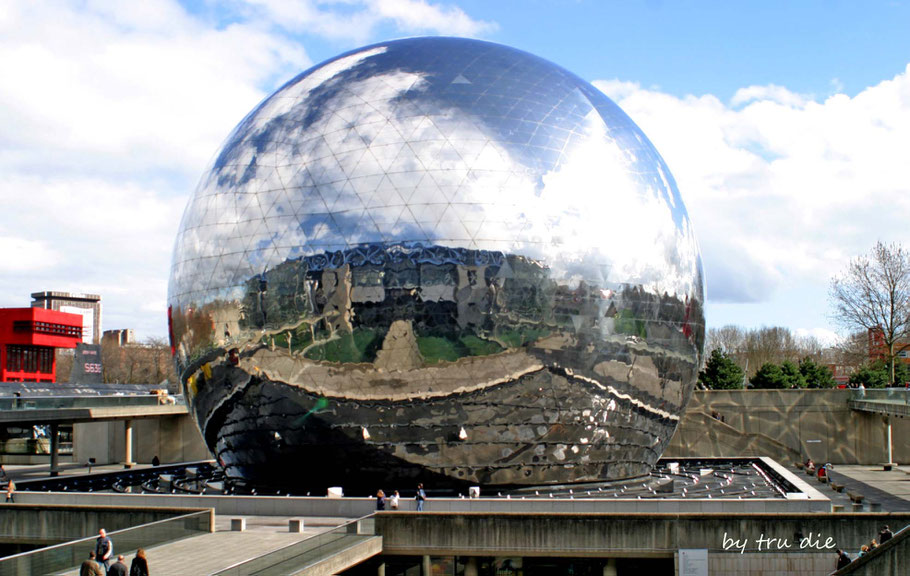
(785, 124)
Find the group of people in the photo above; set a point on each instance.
(100, 560)
(885, 534)
(395, 499)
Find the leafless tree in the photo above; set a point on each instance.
(163, 367)
(730, 338)
(851, 351)
(873, 294)
(146, 363)
(753, 347)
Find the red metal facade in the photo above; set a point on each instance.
(28, 339)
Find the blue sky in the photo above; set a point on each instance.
(786, 125)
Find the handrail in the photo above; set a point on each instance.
(302, 552)
(85, 401)
(69, 555)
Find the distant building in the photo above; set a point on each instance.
(28, 339)
(120, 337)
(86, 305)
(878, 350)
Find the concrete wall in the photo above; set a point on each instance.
(358, 507)
(50, 524)
(645, 535)
(786, 425)
(171, 438)
(223, 505)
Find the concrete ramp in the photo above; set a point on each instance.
(322, 555)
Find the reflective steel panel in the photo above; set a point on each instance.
(436, 259)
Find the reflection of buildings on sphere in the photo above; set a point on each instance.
(439, 259)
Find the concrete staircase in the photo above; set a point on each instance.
(890, 559)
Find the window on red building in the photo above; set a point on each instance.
(33, 359)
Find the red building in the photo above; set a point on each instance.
(879, 351)
(28, 339)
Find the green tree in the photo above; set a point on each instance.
(721, 373)
(872, 375)
(793, 378)
(877, 374)
(816, 375)
(769, 376)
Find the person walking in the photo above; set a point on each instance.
(118, 568)
(421, 497)
(104, 550)
(140, 564)
(842, 560)
(884, 534)
(10, 492)
(393, 500)
(90, 567)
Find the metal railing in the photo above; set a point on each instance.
(69, 555)
(891, 395)
(298, 555)
(85, 401)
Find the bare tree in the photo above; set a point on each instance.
(751, 348)
(146, 363)
(161, 358)
(730, 339)
(770, 344)
(874, 295)
(851, 351)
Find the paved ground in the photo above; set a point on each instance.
(209, 553)
(889, 489)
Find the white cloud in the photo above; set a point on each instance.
(421, 16)
(769, 93)
(23, 255)
(110, 112)
(83, 88)
(782, 188)
(358, 19)
(824, 336)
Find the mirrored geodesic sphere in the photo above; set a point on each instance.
(436, 259)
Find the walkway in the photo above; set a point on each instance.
(71, 409)
(203, 555)
(887, 401)
(891, 489)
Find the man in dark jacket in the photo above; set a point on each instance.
(884, 535)
(118, 568)
(842, 560)
(104, 549)
(90, 567)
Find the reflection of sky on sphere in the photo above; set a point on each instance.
(445, 141)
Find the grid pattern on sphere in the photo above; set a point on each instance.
(444, 141)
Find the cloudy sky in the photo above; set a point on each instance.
(787, 127)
